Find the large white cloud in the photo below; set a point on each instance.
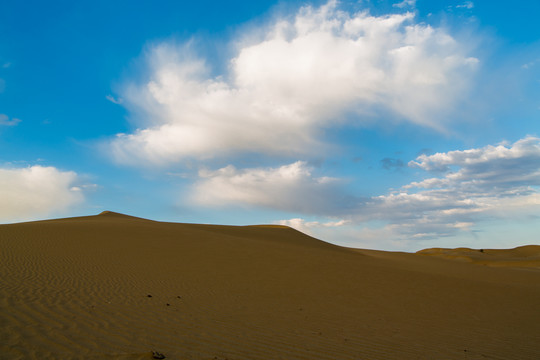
(37, 191)
(303, 75)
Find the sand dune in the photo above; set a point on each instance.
(118, 287)
(520, 257)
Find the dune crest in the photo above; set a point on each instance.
(112, 214)
(119, 287)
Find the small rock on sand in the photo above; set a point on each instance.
(157, 355)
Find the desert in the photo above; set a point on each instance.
(270, 180)
(112, 286)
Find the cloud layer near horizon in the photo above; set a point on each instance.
(36, 191)
(492, 182)
(302, 75)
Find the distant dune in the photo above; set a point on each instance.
(520, 257)
(113, 286)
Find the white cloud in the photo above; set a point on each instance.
(290, 187)
(473, 187)
(466, 5)
(405, 3)
(477, 184)
(308, 227)
(302, 76)
(4, 120)
(114, 100)
(493, 183)
(37, 191)
(530, 64)
(519, 162)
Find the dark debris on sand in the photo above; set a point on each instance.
(157, 355)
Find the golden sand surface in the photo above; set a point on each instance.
(117, 287)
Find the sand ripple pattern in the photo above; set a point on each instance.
(117, 287)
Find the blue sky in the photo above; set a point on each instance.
(377, 124)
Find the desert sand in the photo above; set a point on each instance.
(113, 286)
(520, 257)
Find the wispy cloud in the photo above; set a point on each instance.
(530, 64)
(466, 5)
(498, 161)
(405, 3)
(37, 191)
(114, 100)
(300, 76)
(5, 121)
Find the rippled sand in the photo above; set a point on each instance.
(117, 287)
